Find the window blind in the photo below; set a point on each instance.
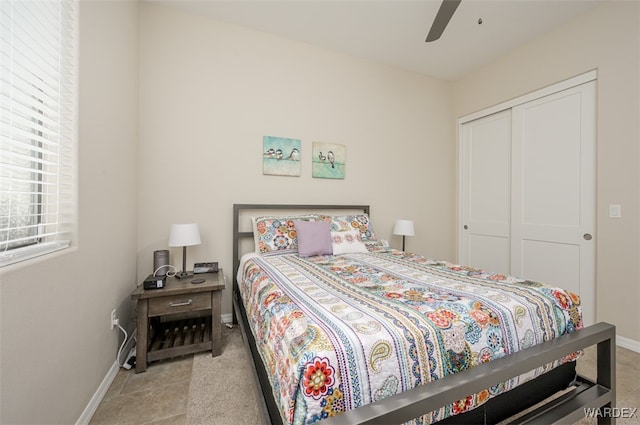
(37, 127)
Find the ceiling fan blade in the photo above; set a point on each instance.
(447, 8)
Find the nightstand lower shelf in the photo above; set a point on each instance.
(180, 337)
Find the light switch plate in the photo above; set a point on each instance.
(615, 211)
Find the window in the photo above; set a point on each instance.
(37, 127)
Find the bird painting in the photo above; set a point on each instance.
(328, 160)
(281, 156)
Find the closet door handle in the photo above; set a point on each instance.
(465, 227)
(587, 236)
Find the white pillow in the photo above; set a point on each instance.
(348, 242)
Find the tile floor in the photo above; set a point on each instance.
(160, 395)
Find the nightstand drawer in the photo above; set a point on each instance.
(179, 303)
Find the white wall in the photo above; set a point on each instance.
(607, 39)
(56, 342)
(210, 91)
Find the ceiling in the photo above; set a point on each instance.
(393, 31)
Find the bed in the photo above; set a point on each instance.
(377, 335)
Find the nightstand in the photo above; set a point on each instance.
(181, 318)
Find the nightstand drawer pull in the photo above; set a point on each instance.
(181, 303)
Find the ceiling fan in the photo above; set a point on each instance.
(447, 8)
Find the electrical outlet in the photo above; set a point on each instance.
(114, 320)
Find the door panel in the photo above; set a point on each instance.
(490, 253)
(486, 191)
(553, 177)
(549, 133)
(552, 262)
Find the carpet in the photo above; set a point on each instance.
(223, 388)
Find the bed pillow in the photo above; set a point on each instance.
(350, 222)
(314, 238)
(277, 233)
(347, 242)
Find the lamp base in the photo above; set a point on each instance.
(184, 275)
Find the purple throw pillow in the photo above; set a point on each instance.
(314, 238)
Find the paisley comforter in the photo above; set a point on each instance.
(338, 332)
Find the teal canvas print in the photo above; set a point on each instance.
(329, 160)
(281, 156)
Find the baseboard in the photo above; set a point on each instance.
(91, 408)
(95, 401)
(227, 318)
(627, 343)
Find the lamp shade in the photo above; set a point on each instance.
(184, 235)
(403, 227)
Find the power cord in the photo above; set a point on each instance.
(124, 341)
(130, 360)
(169, 274)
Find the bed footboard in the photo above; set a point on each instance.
(566, 409)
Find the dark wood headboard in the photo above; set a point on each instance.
(239, 209)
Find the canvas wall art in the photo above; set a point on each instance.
(329, 160)
(281, 156)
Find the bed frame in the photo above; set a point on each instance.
(579, 395)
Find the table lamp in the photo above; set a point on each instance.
(184, 235)
(403, 228)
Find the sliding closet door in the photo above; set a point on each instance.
(553, 196)
(486, 187)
